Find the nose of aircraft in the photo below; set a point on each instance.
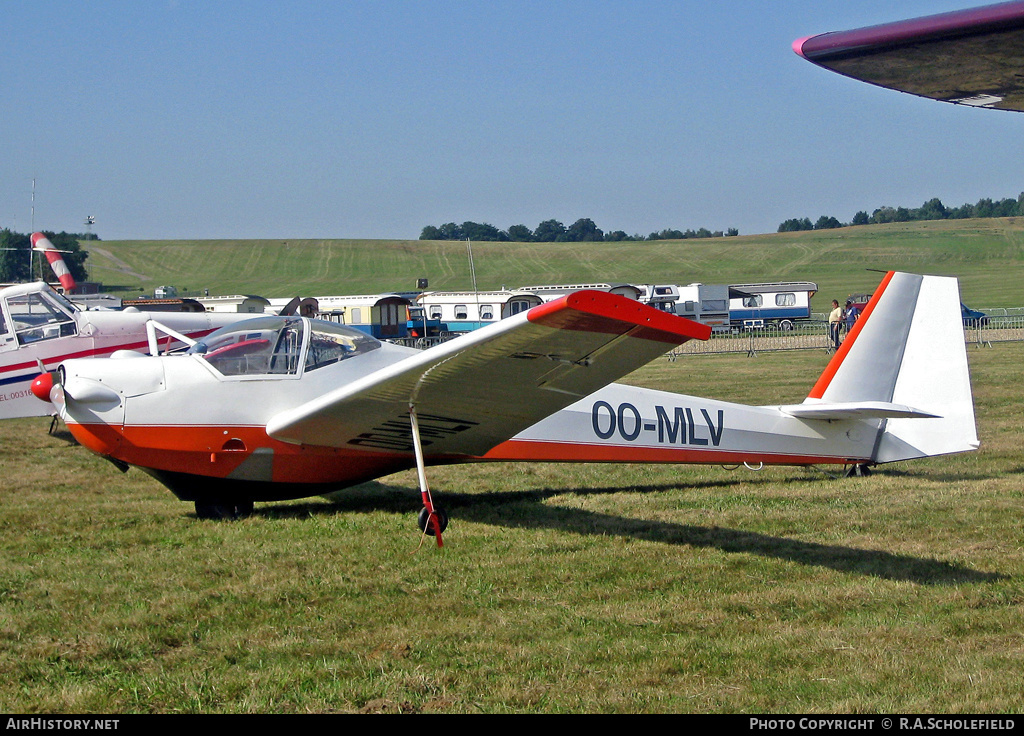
(47, 387)
(98, 381)
(42, 386)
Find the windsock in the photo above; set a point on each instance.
(41, 243)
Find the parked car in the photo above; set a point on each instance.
(859, 301)
(972, 317)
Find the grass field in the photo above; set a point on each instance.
(985, 254)
(561, 588)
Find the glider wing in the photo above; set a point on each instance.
(969, 57)
(476, 391)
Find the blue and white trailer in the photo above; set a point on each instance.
(781, 303)
(384, 316)
(463, 311)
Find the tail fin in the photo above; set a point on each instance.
(905, 362)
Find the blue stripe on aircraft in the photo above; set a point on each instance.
(17, 379)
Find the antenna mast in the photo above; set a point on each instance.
(472, 273)
(33, 226)
(472, 269)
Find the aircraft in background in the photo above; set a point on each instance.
(284, 407)
(41, 328)
(968, 57)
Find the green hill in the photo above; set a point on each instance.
(987, 255)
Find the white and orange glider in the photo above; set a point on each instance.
(288, 407)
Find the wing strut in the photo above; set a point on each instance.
(432, 520)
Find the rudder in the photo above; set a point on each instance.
(908, 349)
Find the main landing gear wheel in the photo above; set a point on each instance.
(224, 511)
(861, 470)
(426, 526)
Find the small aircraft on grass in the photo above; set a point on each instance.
(283, 407)
(39, 327)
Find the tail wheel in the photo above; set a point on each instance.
(860, 470)
(426, 526)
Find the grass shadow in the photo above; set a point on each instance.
(64, 435)
(944, 477)
(527, 510)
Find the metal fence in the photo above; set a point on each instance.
(422, 343)
(996, 329)
(803, 336)
(1004, 311)
(814, 336)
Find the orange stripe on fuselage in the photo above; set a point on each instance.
(541, 451)
(837, 360)
(217, 451)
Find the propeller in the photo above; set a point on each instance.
(307, 307)
(291, 307)
(43, 385)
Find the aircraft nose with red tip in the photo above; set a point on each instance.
(42, 386)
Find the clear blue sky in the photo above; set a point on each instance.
(199, 119)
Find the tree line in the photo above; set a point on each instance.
(552, 231)
(15, 250)
(933, 209)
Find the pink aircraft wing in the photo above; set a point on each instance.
(968, 57)
(477, 391)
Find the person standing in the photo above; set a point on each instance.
(852, 313)
(835, 323)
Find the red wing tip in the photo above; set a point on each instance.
(606, 306)
(798, 46)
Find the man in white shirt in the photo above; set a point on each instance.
(835, 323)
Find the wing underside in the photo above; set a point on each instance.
(969, 57)
(478, 390)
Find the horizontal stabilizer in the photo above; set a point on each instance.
(855, 410)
